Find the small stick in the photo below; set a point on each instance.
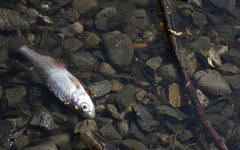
(186, 77)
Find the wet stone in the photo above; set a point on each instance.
(131, 144)
(199, 19)
(16, 95)
(223, 32)
(125, 97)
(72, 29)
(212, 82)
(103, 16)
(116, 85)
(4, 54)
(20, 142)
(119, 48)
(84, 6)
(154, 63)
(101, 121)
(170, 111)
(110, 133)
(60, 139)
(233, 80)
(228, 69)
(169, 73)
(185, 135)
(31, 15)
(113, 111)
(228, 5)
(46, 146)
(135, 132)
(100, 88)
(71, 15)
(91, 39)
(72, 44)
(123, 127)
(200, 44)
(83, 60)
(85, 125)
(106, 68)
(143, 3)
(185, 9)
(140, 19)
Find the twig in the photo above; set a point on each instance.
(186, 77)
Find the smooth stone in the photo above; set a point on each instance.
(223, 32)
(16, 95)
(100, 88)
(71, 15)
(72, 29)
(119, 48)
(101, 121)
(171, 111)
(228, 69)
(106, 68)
(84, 61)
(185, 9)
(20, 142)
(60, 139)
(169, 73)
(123, 127)
(103, 16)
(140, 19)
(116, 85)
(43, 146)
(232, 56)
(125, 97)
(90, 39)
(110, 133)
(212, 82)
(31, 15)
(199, 19)
(72, 44)
(185, 135)
(228, 5)
(154, 63)
(113, 111)
(84, 6)
(135, 132)
(131, 144)
(143, 3)
(85, 125)
(233, 80)
(202, 43)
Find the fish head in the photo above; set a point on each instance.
(83, 104)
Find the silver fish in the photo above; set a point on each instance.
(58, 80)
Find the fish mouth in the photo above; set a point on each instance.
(89, 115)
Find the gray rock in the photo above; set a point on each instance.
(228, 5)
(72, 29)
(125, 97)
(113, 111)
(21, 142)
(103, 16)
(42, 118)
(140, 19)
(32, 15)
(169, 73)
(212, 82)
(100, 88)
(85, 126)
(233, 81)
(72, 44)
(143, 3)
(101, 121)
(123, 127)
(170, 111)
(199, 19)
(154, 63)
(84, 6)
(83, 60)
(116, 85)
(131, 144)
(232, 56)
(200, 44)
(228, 69)
(45, 146)
(135, 132)
(119, 48)
(16, 95)
(224, 32)
(60, 139)
(141, 112)
(185, 135)
(71, 15)
(106, 68)
(90, 39)
(110, 133)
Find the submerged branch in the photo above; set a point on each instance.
(185, 74)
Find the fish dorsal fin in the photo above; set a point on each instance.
(75, 81)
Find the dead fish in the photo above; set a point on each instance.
(57, 79)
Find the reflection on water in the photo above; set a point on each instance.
(121, 55)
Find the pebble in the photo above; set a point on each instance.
(71, 15)
(199, 19)
(20, 142)
(72, 29)
(119, 48)
(101, 121)
(113, 111)
(185, 9)
(170, 111)
(202, 43)
(123, 127)
(31, 15)
(60, 139)
(91, 39)
(233, 80)
(106, 68)
(103, 16)
(135, 132)
(100, 88)
(84, 61)
(116, 85)
(223, 33)
(110, 133)
(169, 73)
(46, 146)
(140, 19)
(228, 5)
(72, 44)
(59, 118)
(185, 135)
(143, 3)
(212, 82)
(84, 6)
(228, 69)
(125, 97)
(154, 63)
(85, 125)
(16, 95)
(131, 144)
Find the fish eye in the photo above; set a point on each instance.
(84, 107)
